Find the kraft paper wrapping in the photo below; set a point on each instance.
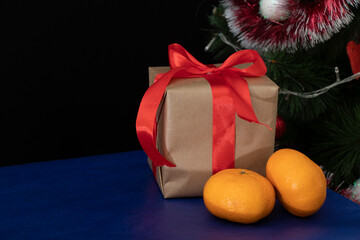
(184, 133)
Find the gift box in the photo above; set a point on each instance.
(185, 131)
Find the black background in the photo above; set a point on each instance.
(73, 72)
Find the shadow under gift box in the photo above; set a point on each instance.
(184, 132)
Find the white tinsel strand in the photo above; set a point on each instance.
(353, 192)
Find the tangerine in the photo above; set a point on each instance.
(300, 184)
(239, 195)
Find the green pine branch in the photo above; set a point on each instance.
(220, 50)
(337, 145)
(299, 73)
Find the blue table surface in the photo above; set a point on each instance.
(115, 196)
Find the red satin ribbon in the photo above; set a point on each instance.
(230, 93)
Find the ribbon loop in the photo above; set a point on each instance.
(227, 84)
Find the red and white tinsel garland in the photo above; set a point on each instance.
(351, 192)
(304, 24)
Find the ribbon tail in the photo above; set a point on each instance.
(241, 96)
(145, 121)
(270, 129)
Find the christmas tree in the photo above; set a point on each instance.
(312, 52)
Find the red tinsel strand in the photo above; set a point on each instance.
(310, 22)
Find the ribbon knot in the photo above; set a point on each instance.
(211, 68)
(230, 93)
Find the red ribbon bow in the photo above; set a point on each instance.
(230, 93)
